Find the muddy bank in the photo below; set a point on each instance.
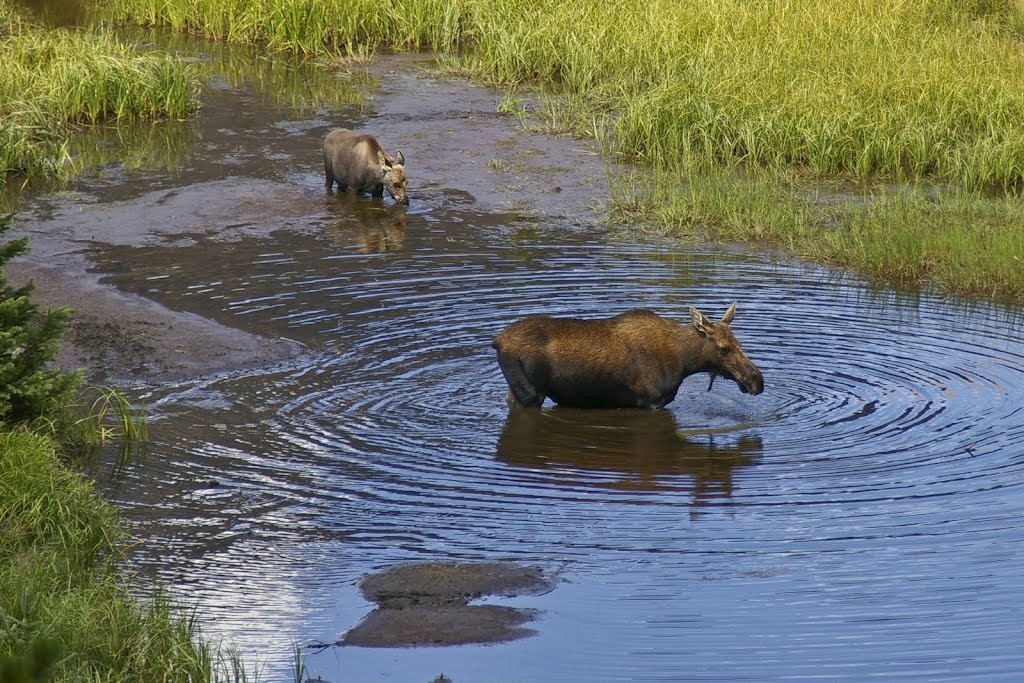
(120, 337)
(428, 605)
(452, 136)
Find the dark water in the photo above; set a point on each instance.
(862, 518)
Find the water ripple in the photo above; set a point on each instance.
(855, 519)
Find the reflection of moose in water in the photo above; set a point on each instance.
(635, 360)
(645, 447)
(367, 224)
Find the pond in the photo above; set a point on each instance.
(863, 517)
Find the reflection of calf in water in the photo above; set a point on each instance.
(367, 224)
(644, 446)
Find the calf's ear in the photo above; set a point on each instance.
(399, 157)
(384, 162)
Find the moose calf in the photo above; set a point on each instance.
(634, 360)
(358, 162)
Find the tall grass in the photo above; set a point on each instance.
(307, 26)
(903, 89)
(53, 79)
(963, 243)
(63, 608)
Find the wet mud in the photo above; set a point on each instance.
(428, 605)
(118, 337)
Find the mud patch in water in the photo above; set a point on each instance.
(428, 604)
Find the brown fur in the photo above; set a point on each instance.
(357, 162)
(634, 360)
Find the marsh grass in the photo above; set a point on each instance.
(285, 80)
(962, 243)
(925, 89)
(342, 27)
(52, 80)
(63, 607)
(66, 612)
(98, 417)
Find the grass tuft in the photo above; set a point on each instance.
(963, 243)
(52, 80)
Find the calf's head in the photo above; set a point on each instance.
(722, 353)
(393, 169)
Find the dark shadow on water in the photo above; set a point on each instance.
(646, 448)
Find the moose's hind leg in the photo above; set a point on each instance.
(521, 391)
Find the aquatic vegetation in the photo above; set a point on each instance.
(52, 80)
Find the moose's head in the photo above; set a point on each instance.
(722, 355)
(394, 180)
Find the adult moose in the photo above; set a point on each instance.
(635, 360)
(358, 162)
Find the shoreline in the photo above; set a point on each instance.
(118, 337)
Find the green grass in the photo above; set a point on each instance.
(62, 602)
(307, 26)
(282, 80)
(833, 87)
(65, 612)
(963, 243)
(53, 80)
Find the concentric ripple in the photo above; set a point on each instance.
(859, 518)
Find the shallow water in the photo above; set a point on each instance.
(860, 518)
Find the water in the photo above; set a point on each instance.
(861, 518)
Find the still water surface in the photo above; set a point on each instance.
(863, 517)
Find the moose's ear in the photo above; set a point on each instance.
(727, 318)
(385, 163)
(701, 322)
(399, 157)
